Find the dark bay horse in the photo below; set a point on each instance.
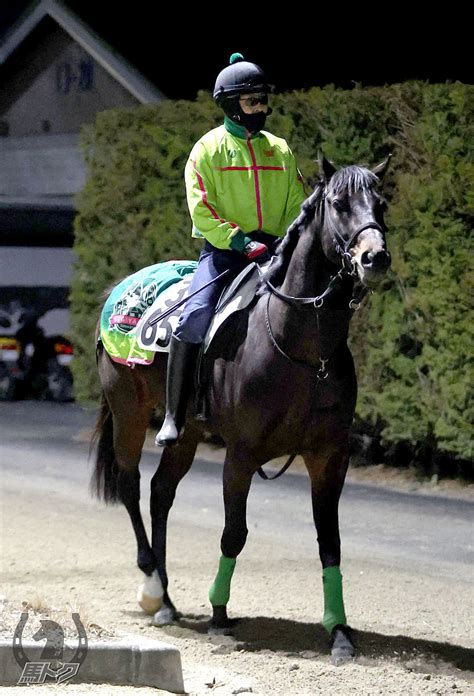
(293, 336)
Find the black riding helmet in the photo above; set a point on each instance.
(240, 77)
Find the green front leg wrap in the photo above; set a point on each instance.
(220, 591)
(334, 613)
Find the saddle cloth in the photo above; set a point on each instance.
(127, 303)
(134, 338)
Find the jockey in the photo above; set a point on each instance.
(243, 190)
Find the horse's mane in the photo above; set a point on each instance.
(349, 179)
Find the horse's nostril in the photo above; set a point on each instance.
(381, 261)
(378, 261)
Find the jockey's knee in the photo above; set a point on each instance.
(193, 327)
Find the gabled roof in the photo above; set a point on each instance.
(143, 90)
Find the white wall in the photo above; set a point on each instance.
(35, 278)
(33, 266)
(40, 166)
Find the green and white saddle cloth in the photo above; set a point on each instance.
(129, 300)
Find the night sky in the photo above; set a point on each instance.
(182, 50)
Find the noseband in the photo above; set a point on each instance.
(342, 246)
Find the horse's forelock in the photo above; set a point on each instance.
(350, 180)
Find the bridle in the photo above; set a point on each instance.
(342, 247)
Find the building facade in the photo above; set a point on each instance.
(56, 74)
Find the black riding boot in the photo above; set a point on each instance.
(179, 384)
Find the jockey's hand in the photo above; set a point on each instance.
(256, 251)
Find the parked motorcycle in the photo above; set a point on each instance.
(9, 369)
(57, 354)
(45, 365)
(33, 365)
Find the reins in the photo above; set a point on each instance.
(342, 247)
(321, 373)
(286, 466)
(317, 301)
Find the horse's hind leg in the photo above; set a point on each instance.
(174, 464)
(129, 437)
(126, 410)
(327, 469)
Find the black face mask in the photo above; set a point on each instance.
(252, 122)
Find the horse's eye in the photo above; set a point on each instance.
(339, 205)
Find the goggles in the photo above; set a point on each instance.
(255, 99)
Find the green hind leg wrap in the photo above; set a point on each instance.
(220, 590)
(334, 613)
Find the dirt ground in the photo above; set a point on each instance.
(414, 633)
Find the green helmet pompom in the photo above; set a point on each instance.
(235, 58)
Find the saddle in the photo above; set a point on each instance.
(142, 312)
(154, 331)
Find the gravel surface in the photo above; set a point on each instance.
(63, 552)
(407, 579)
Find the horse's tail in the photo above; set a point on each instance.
(104, 481)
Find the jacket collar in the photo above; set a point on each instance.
(238, 131)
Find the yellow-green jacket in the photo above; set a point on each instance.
(237, 183)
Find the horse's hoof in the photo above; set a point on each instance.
(220, 624)
(150, 593)
(166, 615)
(342, 647)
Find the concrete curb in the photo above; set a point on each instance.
(128, 660)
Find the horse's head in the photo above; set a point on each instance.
(353, 225)
(54, 635)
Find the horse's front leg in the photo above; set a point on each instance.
(237, 477)
(327, 469)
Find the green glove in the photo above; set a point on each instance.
(239, 241)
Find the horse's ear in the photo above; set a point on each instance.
(381, 168)
(325, 167)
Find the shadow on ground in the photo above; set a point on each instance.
(310, 640)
